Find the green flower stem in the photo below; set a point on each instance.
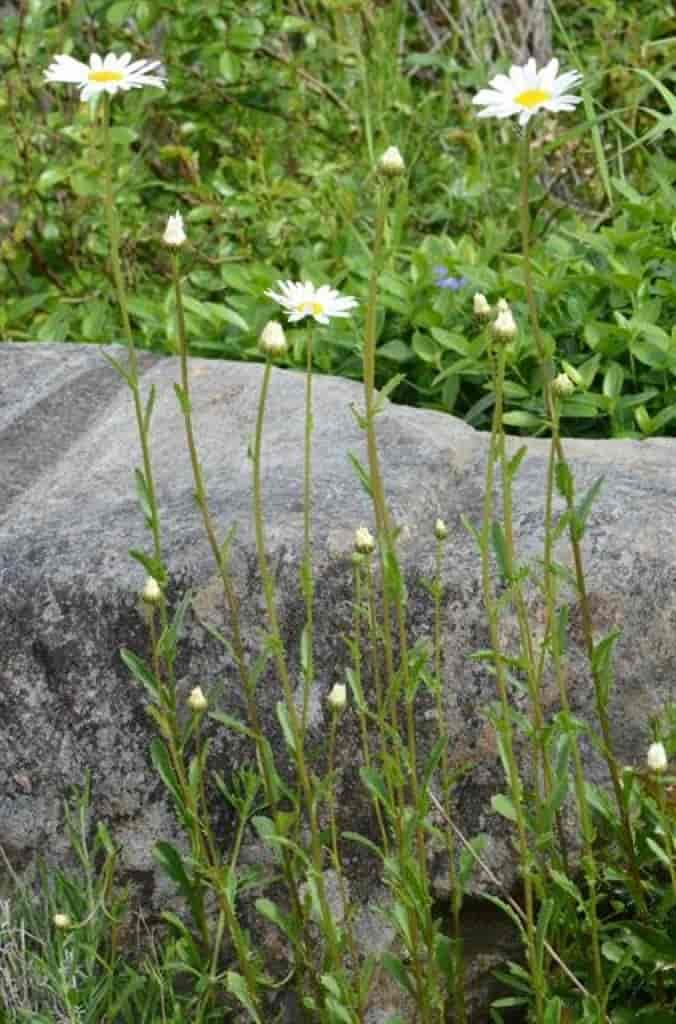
(586, 826)
(375, 477)
(587, 627)
(459, 1005)
(668, 830)
(356, 663)
(541, 766)
(493, 614)
(335, 851)
(285, 681)
(307, 579)
(232, 602)
(133, 379)
(387, 555)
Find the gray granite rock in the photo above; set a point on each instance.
(69, 590)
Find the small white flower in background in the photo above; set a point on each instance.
(440, 531)
(563, 386)
(61, 921)
(504, 326)
(337, 698)
(174, 233)
(503, 306)
(525, 91)
(363, 541)
(657, 757)
(299, 299)
(112, 74)
(392, 162)
(197, 701)
(272, 341)
(151, 594)
(481, 306)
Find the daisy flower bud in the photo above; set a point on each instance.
(504, 325)
(337, 698)
(440, 531)
(363, 541)
(503, 306)
(174, 233)
(197, 701)
(272, 341)
(481, 306)
(61, 921)
(391, 162)
(151, 593)
(563, 386)
(657, 757)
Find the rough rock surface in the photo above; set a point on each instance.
(69, 590)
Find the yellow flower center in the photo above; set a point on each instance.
(530, 98)
(105, 76)
(314, 308)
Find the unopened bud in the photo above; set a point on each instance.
(337, 698)
(440, 531)
(272, 341)
(174, 235)
(152, 592)
(363, 541)
(504, 326)
(61, 921)
(392, 162)
(503, 306)
(563, 386)
(657, 757)
(197, 701)
(481, 306)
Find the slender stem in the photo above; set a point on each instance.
(667, 828)
(387, 555)
(516, 907)
(335, 850)
(587, 627)
(460, 1008)
(133, 379)
(505, 727)
(284, 678)
(219, 555)
(356, 663)
(586, 826)
(307, 580)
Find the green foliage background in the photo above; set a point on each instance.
(266, 138)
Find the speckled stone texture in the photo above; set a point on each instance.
(69, 590)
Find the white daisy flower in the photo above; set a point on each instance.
(526, 90)
(108, 75)
(299, 299)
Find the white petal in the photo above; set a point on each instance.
(124, 60)
(566, 81)
(91, 89)
(502, 83)
(549, 73)
(66, 69)
(110, 62)
(95, 62)
(489, 96)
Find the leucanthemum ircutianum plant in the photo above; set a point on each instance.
(523, 93)
(106, 77)
(301, 300)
